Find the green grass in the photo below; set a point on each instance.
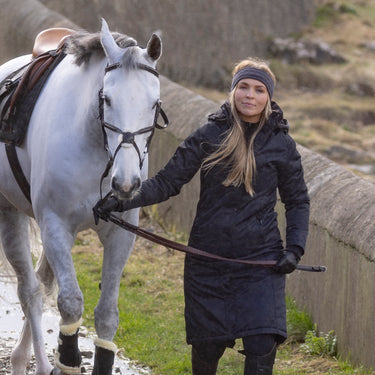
(151, 305)
(298, 322)
(328, 13)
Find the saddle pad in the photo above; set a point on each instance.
(18, 95)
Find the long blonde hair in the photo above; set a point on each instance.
(235, 151)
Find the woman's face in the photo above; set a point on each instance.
(250, 99)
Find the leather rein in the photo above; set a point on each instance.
(193, 251)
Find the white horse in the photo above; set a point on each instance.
(106, 90)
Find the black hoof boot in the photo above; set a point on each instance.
(68, 355)
(260, 365)
(103, 362)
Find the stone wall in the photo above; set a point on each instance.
(341, 237)
(342, 231)
(21, 21)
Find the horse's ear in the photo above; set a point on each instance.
(111, 49)
(154, 47)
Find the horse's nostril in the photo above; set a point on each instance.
(136, 183)
(115, 185)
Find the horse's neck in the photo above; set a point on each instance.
(89, 82)
(69, 107)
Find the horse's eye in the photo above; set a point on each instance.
(107, 100)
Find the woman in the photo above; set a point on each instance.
(245, 156)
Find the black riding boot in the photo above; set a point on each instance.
(203, 367)
(260, 365)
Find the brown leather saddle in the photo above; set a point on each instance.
(50, 39)
(19, 93)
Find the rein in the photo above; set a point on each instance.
(193, 251)
(128, 137)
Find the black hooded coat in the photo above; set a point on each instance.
(223, 300)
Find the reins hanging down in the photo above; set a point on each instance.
(191, 250)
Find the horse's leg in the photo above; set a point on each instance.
(14, 232)
(46, 276)
(57, 242)
(117, 248)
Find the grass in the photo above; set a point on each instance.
(329, 12)
(151, 305)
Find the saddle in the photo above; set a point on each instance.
(20, 91)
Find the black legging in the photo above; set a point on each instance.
(258, 344)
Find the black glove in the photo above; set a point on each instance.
(105, 206)
(287, 262)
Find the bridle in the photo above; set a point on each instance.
(128, 137)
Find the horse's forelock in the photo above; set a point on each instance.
(84, 45)
(129, 60)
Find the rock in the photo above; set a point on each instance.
(345, 154)
(370, 45)
(361, 88)
(295, 51)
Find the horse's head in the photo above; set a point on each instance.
(130, 105)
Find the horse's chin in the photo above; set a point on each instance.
(125, 195)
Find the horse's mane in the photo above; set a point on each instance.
(83, 45)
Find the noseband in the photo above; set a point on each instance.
(129, 137)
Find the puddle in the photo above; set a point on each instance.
(11, 322)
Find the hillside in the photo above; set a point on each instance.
(331, 107)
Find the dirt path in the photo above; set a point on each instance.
(11, 325)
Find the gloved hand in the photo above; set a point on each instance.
(287, 262)
(105, 206)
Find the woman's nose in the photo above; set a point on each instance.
(249, 93)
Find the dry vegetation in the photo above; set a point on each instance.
(330, 107)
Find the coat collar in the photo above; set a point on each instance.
(275, 122)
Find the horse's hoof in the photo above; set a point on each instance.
(56, 371)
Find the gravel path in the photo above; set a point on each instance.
(11, 325)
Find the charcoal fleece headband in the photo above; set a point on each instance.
(254, 73)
